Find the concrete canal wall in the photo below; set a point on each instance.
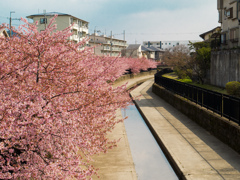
(225, 130)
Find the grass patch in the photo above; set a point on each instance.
(210, 87)
(171, 76)
(189, 81)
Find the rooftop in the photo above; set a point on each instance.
(52, 14)
(133, 46)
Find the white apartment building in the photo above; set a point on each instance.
(163, 45)
(79, 29)
(104, 45)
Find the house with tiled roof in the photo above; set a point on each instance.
(152, 52)
(207, 36)
(133, 50)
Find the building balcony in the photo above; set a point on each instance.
(75, 26)
(116, 44)
(106, 48)
(74, 38)
(84, 29)
(122, 44)
(116, 49)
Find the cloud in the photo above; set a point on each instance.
(181, 24)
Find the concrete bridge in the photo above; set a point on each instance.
(192, 151)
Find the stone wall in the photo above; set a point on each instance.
(225, 67)
(227, 131)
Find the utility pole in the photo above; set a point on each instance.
(10, 23)
(124, 35)
(111, 45)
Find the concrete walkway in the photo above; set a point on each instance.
(193, 152)
(117, 163)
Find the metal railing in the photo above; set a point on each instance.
(226, 106)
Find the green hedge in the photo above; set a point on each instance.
(233, 88)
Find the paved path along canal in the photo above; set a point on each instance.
(193, 151)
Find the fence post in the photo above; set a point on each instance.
(239, 112)
(222, 107)
(197, 96)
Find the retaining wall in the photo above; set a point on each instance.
(132, 76)
(225, 67)
(226, 131)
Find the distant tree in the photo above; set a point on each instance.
(56, 104)
(179, 58)
(193, 62)
(201, 59)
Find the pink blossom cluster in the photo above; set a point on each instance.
(56, 104)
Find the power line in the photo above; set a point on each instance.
(162, 33)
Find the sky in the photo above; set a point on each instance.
(142, 20)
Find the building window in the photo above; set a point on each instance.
(79, 23)
(234, 35)
(228, 13)
(43, 20)
(224, 38)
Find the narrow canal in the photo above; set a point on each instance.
(150, 162)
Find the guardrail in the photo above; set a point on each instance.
(226, 106)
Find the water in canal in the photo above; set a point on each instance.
(150, 162)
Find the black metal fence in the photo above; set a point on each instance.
(227, 106)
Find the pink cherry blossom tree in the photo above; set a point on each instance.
(56, 104)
